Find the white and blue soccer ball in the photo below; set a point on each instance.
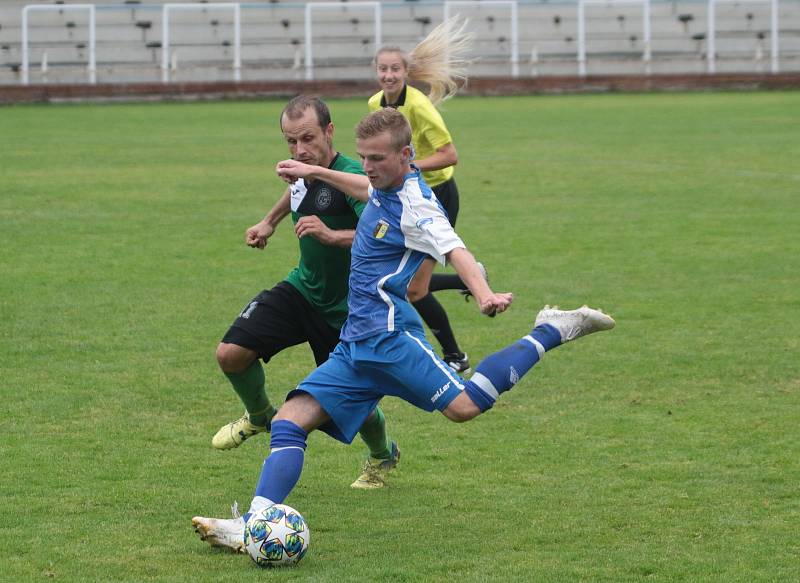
(276, 536)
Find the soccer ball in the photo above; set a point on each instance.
(276, 536)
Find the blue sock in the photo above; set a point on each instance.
(547, 336)
(282, 468)
(499, 372)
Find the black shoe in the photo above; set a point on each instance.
(458, 362)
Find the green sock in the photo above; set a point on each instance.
(251, 387)
(373, 432)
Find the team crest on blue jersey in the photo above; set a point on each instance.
(381, 229)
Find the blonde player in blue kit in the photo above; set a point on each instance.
(438, 62)
(383, 350)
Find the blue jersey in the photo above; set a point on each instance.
(397, 230)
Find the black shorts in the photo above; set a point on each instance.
(278, 318)
(447, 193)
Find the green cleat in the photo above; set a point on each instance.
(376, 471)
(234, 433)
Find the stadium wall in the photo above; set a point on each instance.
(12, 94)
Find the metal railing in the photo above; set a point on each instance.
(512, 5)
(309, 33)
(237, 34)
(92, 66)
(582, 4)
(169, 62)
(712, 33)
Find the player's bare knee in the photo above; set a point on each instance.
(303, 410)
(459, 416)
(416, 292)
(286, 413)
(233, 358)
(461, 410)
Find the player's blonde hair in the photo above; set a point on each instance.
(386, 120)
(439, 59)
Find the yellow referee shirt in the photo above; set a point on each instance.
(428, 132)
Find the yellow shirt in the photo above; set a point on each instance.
(428, 132)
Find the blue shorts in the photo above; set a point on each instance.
(359, 374)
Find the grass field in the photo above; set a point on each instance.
(666, 450)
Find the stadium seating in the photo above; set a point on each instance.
(129, 38)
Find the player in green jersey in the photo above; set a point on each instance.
(310, 305)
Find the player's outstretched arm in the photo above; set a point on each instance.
(467, 268)
(355, 185)
(257, 235)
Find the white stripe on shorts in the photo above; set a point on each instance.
(443, 367)
(536, 344)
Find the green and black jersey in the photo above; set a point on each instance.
(322, 275)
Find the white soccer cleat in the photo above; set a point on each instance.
(227, 533)
(573, 324)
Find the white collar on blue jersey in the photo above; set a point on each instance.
(415, 173)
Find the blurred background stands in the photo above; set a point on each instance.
(129, 38)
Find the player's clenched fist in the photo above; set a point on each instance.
(496, 303)
(313, 225)
(292, 170)
(257, 235)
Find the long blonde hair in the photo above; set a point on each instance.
(439, 59)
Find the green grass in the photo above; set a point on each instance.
(666, 450)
